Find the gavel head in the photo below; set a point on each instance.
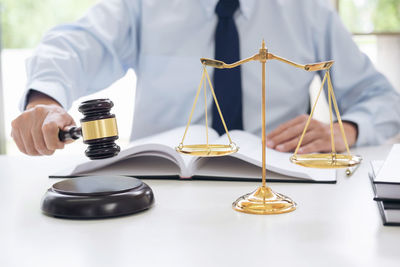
(99, 129)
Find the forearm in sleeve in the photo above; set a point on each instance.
(80, 58)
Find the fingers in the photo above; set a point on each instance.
(289, 131)
(50, 135)
(319, 145)
(286, 137)
(18, 141)
(292, 144)
(286, 125)
(29, 144)
(21, 137)
(52, 125)
(35, 131)
(317, 138)
(39, 143)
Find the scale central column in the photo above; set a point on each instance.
(263, 60)
(264, 200)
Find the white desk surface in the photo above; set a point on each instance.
(193, 224)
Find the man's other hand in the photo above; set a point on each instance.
(317, 138)
(35, 131)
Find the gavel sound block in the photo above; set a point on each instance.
(93, 197)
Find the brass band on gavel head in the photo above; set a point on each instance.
(98, 122)
(97, 129)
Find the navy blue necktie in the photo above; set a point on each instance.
(227, 82)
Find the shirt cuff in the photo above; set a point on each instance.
(365, 134)
(52, 89)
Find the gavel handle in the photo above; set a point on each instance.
(72, 133)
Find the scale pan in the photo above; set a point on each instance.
(209, 150)
(326, 161)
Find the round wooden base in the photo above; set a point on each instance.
(93, 197)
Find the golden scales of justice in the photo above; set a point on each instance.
(264, 200)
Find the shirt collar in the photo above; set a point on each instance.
(246, 7)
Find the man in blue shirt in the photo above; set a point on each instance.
(163, 41)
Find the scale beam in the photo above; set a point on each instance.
(222, 65)
(308, 67)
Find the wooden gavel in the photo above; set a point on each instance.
(98, 129)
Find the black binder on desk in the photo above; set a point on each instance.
(383, 191)
(390, 212)
(387, 196)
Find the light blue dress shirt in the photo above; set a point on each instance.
(164, 40)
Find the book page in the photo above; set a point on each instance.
(157, 150)
(160, 145)
(250, 153)
(231, 167)
(196, 134)
(140, 166)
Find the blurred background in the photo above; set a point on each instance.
(375, 25)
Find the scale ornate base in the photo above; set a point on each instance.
(264, 201)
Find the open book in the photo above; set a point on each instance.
(156, 157)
